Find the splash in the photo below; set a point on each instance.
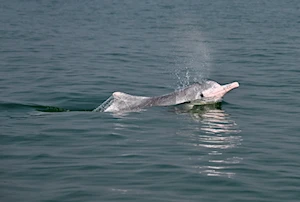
(193, 58)
(104, 105)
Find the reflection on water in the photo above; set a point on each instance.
(217, 135)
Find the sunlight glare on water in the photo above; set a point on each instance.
(219, 135)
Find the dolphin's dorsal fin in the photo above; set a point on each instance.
(121, 102)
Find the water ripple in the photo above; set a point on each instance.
(217, 135)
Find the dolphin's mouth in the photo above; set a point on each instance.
(220, 91)
(231, 86)
(205, 101)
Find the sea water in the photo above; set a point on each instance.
(59, 60)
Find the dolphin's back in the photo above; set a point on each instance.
(178, 97)
(188, 94)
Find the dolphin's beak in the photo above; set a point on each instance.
(219, 92)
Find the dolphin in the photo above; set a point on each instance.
(199, 93)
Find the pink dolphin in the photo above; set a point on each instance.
(195, 94)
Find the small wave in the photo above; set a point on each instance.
(4, 106)
(50, 109)
(11, 106)
(216, 135)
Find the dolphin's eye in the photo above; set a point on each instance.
(201, 95)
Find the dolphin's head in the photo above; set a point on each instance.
(210, 92)
(216, 91)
